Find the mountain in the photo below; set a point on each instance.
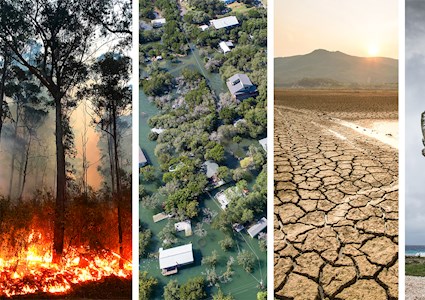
(326, 68)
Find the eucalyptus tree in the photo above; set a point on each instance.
(27, 117)
(110, 96)
(5, 61)
(66, 30)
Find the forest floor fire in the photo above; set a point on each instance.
(32, 270)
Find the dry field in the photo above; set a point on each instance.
(336, 197)
(345, 104)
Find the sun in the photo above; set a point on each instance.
(373, 50)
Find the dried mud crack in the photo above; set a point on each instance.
(336, 210)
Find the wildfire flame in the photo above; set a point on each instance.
(33, 272)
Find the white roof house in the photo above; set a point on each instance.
(225, 46)
(211, 168)
(263, 143)
(225, 22)
(255, 229)
(241, 87)
(142, 158)
(203, 27)
(158, 22)
(174, 257)
(158, 130)
(223, 200)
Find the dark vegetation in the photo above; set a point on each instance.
(415, 266)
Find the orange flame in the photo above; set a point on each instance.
(37, 274)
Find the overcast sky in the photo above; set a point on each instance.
(415, 104)
(359, 28)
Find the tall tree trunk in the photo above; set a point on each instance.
(118, 182)
(2, 85)
(12, 164)
(21, 169)
(111, 161)
(59, 227)
(85, 164)
(24, 176)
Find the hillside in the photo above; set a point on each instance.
(331, 69)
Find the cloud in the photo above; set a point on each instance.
(415, 105)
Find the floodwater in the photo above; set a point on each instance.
(243, 285)
(194, 61)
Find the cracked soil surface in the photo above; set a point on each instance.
(336, 210)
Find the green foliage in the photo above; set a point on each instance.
(415, 266)
(227, 243)
(215, 153)
(172, 290)
(193, 289)
(224, 173)
(191, 75)
(211, 260)
(221, 296)
(262, 295)
(147, 173)
(222, 222)
(150, 201)
(196, 17)
(211, 7)
(228, 115)
(262, 245)
(246, 260)
(246, 162)
(168, 235)
(149, 36)
(145, 236)
(146, 286)
(146, 9)
(153, 136)
(237, 139)
(157, 84)
(241, 174)
(195, 97)
(173, 38)
(242, 185)
(142, 191)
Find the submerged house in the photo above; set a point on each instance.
(171, 259)
(225, 46)
(203, 27)
(228, 1)
(142, 158)
(223, 200)
(210, 168)
(255, 229)
(241, 87)
(158, 22)
(226, 22)
(263, 143)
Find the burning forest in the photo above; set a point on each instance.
(65, 163)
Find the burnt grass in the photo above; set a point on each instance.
(111, 287)
(379, 102)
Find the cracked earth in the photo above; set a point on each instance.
(336, 210)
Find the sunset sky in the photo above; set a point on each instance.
(359, 28)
